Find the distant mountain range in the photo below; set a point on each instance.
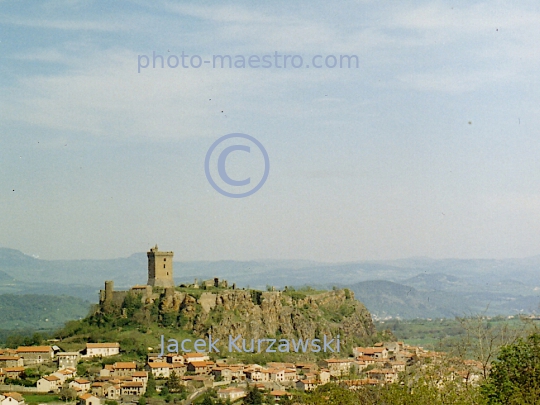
(407, 288)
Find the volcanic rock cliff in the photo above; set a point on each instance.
(250, 313)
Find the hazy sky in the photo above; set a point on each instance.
(429, 148)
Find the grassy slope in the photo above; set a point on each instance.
(39, 311)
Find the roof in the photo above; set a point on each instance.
(82, 381)
(198, 363)
(371, 350)
(66, 371)
(51, 378)
(34, 349)
(102, 345)
(140, 374)
(159, 364)
(5, 358)
(125, 364)
(192, 355)
(86, 396)
(14, 395)
(230, 389)
(134, 384)
(278, 393)
(339, 360)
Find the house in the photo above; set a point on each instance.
(306, 385)
(324, 376)
(255, 373)
(176, 358)
(13, 372)
(11, 361)
(112, 391)
(140, 376)
(89, 399)
(150, 357)
(35, 354)
(275, 374)
(124, 368)
(49, 383)
(12, 398)
(231, 393)
(101, 349)
(229, 373)
(132, 388)
(385, 375)
(375, 352)
(68, 359)
(2, 376)
(279, 394)
(98, 388)
(290, 374)
(195, 357)
(356, 384)
(159, 369)
(199, 367)
(339, 367)
(303, 368)
(106, 371)
(65, 374)
(82, 383)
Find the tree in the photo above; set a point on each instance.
(142, 401)
(515, 375)
(253, 397)
(207, 400)
(150, 386)
(173, 383)
(67, 394)
(483, 339)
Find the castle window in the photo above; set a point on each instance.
(165, 259)
(163, 266)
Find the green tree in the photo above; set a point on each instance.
(515, 375)
(254, 396)
(173, 383)
(207, 400)
(150, 386)
(67, 394)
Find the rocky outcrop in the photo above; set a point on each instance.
(224, 312)
(256, 314)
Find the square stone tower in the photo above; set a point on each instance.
(160, 268)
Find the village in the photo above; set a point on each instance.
(127, 381)
(102, 373)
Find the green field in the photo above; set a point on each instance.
(40, 398)
(444, 334)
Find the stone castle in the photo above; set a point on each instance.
(160, 274)
(212, 307)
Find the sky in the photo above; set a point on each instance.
(429, 147)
